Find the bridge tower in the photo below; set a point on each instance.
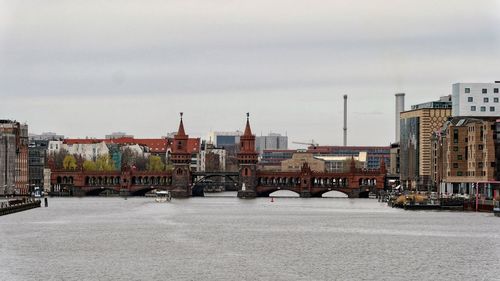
(181, 158)
(247, 164)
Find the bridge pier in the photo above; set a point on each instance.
(246, 194)
(305, 194)
(180, 193)
(124, 192)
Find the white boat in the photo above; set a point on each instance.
(163, 196)
(372, 195)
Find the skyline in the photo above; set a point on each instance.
(87, 68)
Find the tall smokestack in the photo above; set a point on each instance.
(345, 120)
(400, 107)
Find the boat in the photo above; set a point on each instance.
(163, 196)
(496, 206)
(372, 195)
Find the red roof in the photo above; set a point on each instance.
(155, 145)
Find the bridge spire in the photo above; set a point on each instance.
(248, 130)
(180, 131)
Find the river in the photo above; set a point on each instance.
(225, 238)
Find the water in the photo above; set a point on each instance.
(230, 239)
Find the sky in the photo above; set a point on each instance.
(88, 68)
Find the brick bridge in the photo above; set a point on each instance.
(249, 181)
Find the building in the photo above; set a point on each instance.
(341, 164)
(417, 126)
(37, 157)
(212, 159)
(465, 156)
(272, 141)
(46, 136)
(118, 135)
(298, 159)
(14, 142)
(476, 99)
(224, 139)
(394, 166)
(375, 154)
(7, 162)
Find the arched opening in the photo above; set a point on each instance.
(334, 194)
(284, 193)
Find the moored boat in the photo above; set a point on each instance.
(163, 196)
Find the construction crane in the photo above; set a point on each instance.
(312, 143)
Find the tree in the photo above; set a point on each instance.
(155, 164)
(58, 158)
(128, 157)
(89, 165)
(104, 163)
(69, 162)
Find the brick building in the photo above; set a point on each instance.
(465, 156)
(14, 142)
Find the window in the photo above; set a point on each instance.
(470, 99)
(473, 108)
(459, 157)
(455, 148)
(492, 108)
(459, 173)
(455, 165)
(495, 90)
(495, 99)
(483, 108)
(480, 165)
(480, 147)
(467, 90)
(485, 91)
(486, 99)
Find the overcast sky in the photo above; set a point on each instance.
(88, 68)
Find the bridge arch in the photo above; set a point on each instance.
(284, 193)
(203, 181)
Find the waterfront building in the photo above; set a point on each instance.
(298, 159)
(37, 156)
(476, 99)
(14, 141)
(272, 141)
(417, 126)
(465, 155)
(395, 162)
(7, 162)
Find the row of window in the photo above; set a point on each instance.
(484, 90)
(471, 99)
(482, 108)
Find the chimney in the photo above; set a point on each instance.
(345, 120)
(400, 107)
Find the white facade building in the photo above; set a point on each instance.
(88, 151)
(476, 99)
(221, 153)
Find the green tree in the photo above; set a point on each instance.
(155, 164)
(104, 163)
(69, 162)
(89, 165)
